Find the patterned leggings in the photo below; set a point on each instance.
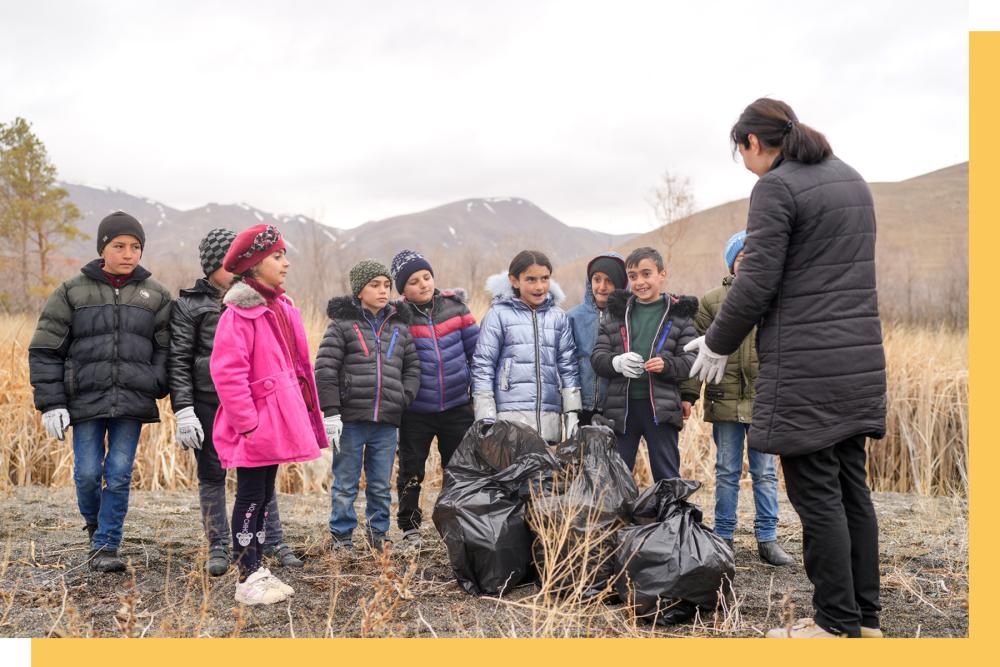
(254, 490)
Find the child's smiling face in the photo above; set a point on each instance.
(533, 284)
(646, 280)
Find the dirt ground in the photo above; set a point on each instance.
(46, 590)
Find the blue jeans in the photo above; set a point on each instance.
(729, 440)
(372, 446)
(103, 476)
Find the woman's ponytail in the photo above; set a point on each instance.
(776, 126)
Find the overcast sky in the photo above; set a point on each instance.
(351, 112)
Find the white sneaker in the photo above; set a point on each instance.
(272, 580)
(257, 589)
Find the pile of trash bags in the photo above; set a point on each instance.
(576, 517)
(511, 508)
(668, 564)
(480, 512)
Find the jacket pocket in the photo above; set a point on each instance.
(714, 393)
(505, 374)
(361, 339)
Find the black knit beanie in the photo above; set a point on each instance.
(117, 224)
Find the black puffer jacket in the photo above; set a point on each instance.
(363, 372)
(808, 278)
(192, 333)
(665, 386)
(101, 352)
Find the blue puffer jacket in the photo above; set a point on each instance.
(445, 334)
(524, 368)
(585, 319)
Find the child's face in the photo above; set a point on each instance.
(602, 287)
(736, 262)
(273, 269)
(419, 289)
(121, 255)
(646, 280)
(533, 283)
(221, 277)
(375, 294)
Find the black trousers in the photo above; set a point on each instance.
(254, 490)
(829, 491)
(416, 431)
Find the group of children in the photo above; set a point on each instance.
(232, 353)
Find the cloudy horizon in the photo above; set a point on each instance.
(350, 114)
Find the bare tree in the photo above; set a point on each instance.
(671, 200)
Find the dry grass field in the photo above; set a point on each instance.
(918, 471)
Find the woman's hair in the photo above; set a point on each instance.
(776, 126)
(526, 258)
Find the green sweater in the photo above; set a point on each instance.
(644, 322)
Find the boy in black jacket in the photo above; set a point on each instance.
(192, 395)
(367, 374)
(640, 350)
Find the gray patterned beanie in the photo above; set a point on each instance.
(364, 272)
(212, 249)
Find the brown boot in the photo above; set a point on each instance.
(804, 628)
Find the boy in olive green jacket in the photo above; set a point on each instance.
(729, 408)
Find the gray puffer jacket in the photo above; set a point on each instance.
(367, 369)
(808, 278)
(524, 368)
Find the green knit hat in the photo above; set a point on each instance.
(364, 272)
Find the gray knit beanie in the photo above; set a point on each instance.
(212, 249)
(364, 272)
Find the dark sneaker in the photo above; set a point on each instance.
(771, 553)
(342, 546)
(729, 543)
(105, 560)
(377, 542)
(283, 554)
(218, 560)
(412, 542)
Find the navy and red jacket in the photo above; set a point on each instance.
(445, 334)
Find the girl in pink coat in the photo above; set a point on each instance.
(269, 409)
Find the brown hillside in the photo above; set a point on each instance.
(921, 249)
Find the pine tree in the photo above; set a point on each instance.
(36, 217)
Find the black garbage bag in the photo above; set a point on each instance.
(575, 519)
(669, 565)
(480, 512)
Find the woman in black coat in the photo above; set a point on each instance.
(808, 280)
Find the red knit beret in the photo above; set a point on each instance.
(251, 246)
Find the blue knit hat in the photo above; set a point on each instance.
(405, 264)
(733, 247)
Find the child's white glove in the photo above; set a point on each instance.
(710, 366)
(189, 434)
(56, 422)
(571, 421)
(628, 364)
(333, 426)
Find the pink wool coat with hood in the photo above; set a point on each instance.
(258, 386)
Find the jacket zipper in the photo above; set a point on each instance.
(361, 339)
(655, 349)
(378, 362)
(597, 380)
(437, 351)
(538, 374)
(627, 336)
(114, 367)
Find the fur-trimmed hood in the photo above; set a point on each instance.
(499, 286)
(680, 306)
(348, 308)
(243, 296)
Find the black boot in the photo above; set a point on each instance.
(770, 552)
(91, 528)
(729, 543)
(218, 560)
(283, 554)
(105, 560)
